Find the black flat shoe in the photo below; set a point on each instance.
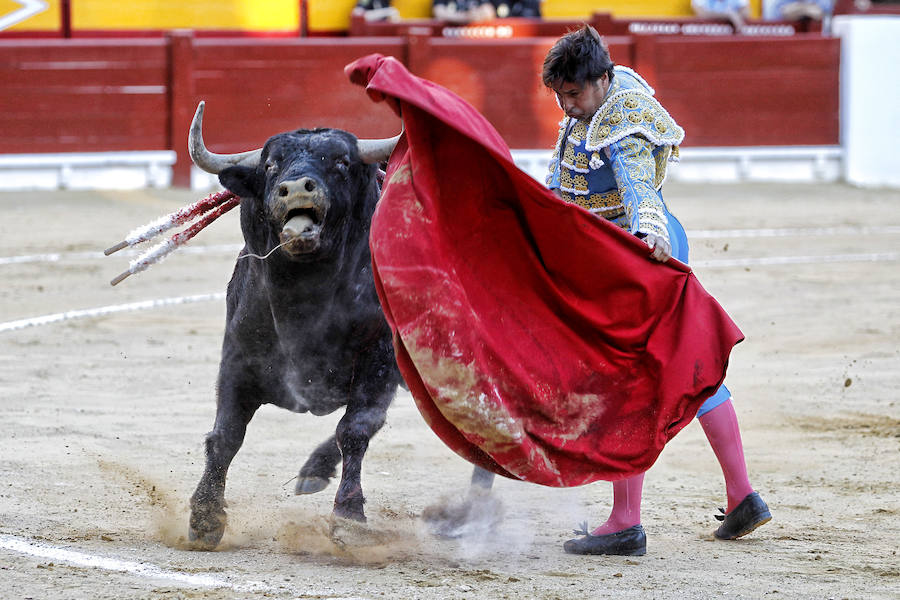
(628, 542)
(749, 514)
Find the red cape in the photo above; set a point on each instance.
(538, 341)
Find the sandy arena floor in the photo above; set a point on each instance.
(103, 414)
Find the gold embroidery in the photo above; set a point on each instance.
(548, 180)
(662, 158)
(579, 132)
(629, 109)
(581, 160)
(579, 182)
(646, 136)
(605, 200)
(608, 204)
(643, 206)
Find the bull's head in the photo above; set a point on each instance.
(294, 181)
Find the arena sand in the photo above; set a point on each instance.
(103, 419)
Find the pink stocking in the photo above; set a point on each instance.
(626, 511)
(721, 428)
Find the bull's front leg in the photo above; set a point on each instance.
(355, 429)
(208, 517)
(319, 468)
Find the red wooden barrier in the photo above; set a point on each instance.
(732, 91)
(105, 95)
(747, 92)
(255, 88)
(502, 79)
(83, 96)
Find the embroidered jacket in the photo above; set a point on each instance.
(614, 165)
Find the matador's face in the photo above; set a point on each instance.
(582, 101)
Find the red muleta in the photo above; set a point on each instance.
(539, 341)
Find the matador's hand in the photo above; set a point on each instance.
(660, 247)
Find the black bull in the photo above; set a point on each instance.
(304, 329)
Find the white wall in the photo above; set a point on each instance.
(86, 170)
(870, 98)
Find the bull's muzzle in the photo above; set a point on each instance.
(300, 206)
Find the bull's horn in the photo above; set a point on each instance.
(376, 151)
(209, 161)
(370, 151)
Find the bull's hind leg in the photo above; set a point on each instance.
(482, 480)
(478, 513)
(319, 468)
(208, 517)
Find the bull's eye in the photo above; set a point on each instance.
(270, 164)
(342, 163)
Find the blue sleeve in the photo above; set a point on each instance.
(634, 167)
(552, 179)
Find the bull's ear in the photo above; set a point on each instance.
(241, 181)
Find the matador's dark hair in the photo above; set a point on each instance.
(579, 56)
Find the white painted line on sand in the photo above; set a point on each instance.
(703, 264)
(108, 310)
(794, 231)
(692, 234)
(796, 260)
(59, 256)
(47, 551)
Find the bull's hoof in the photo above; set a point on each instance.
(206, 531)
(479, 514)
(348, 534)
(207, 540)
(351, 510)
(310, 485)
(349, 503)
